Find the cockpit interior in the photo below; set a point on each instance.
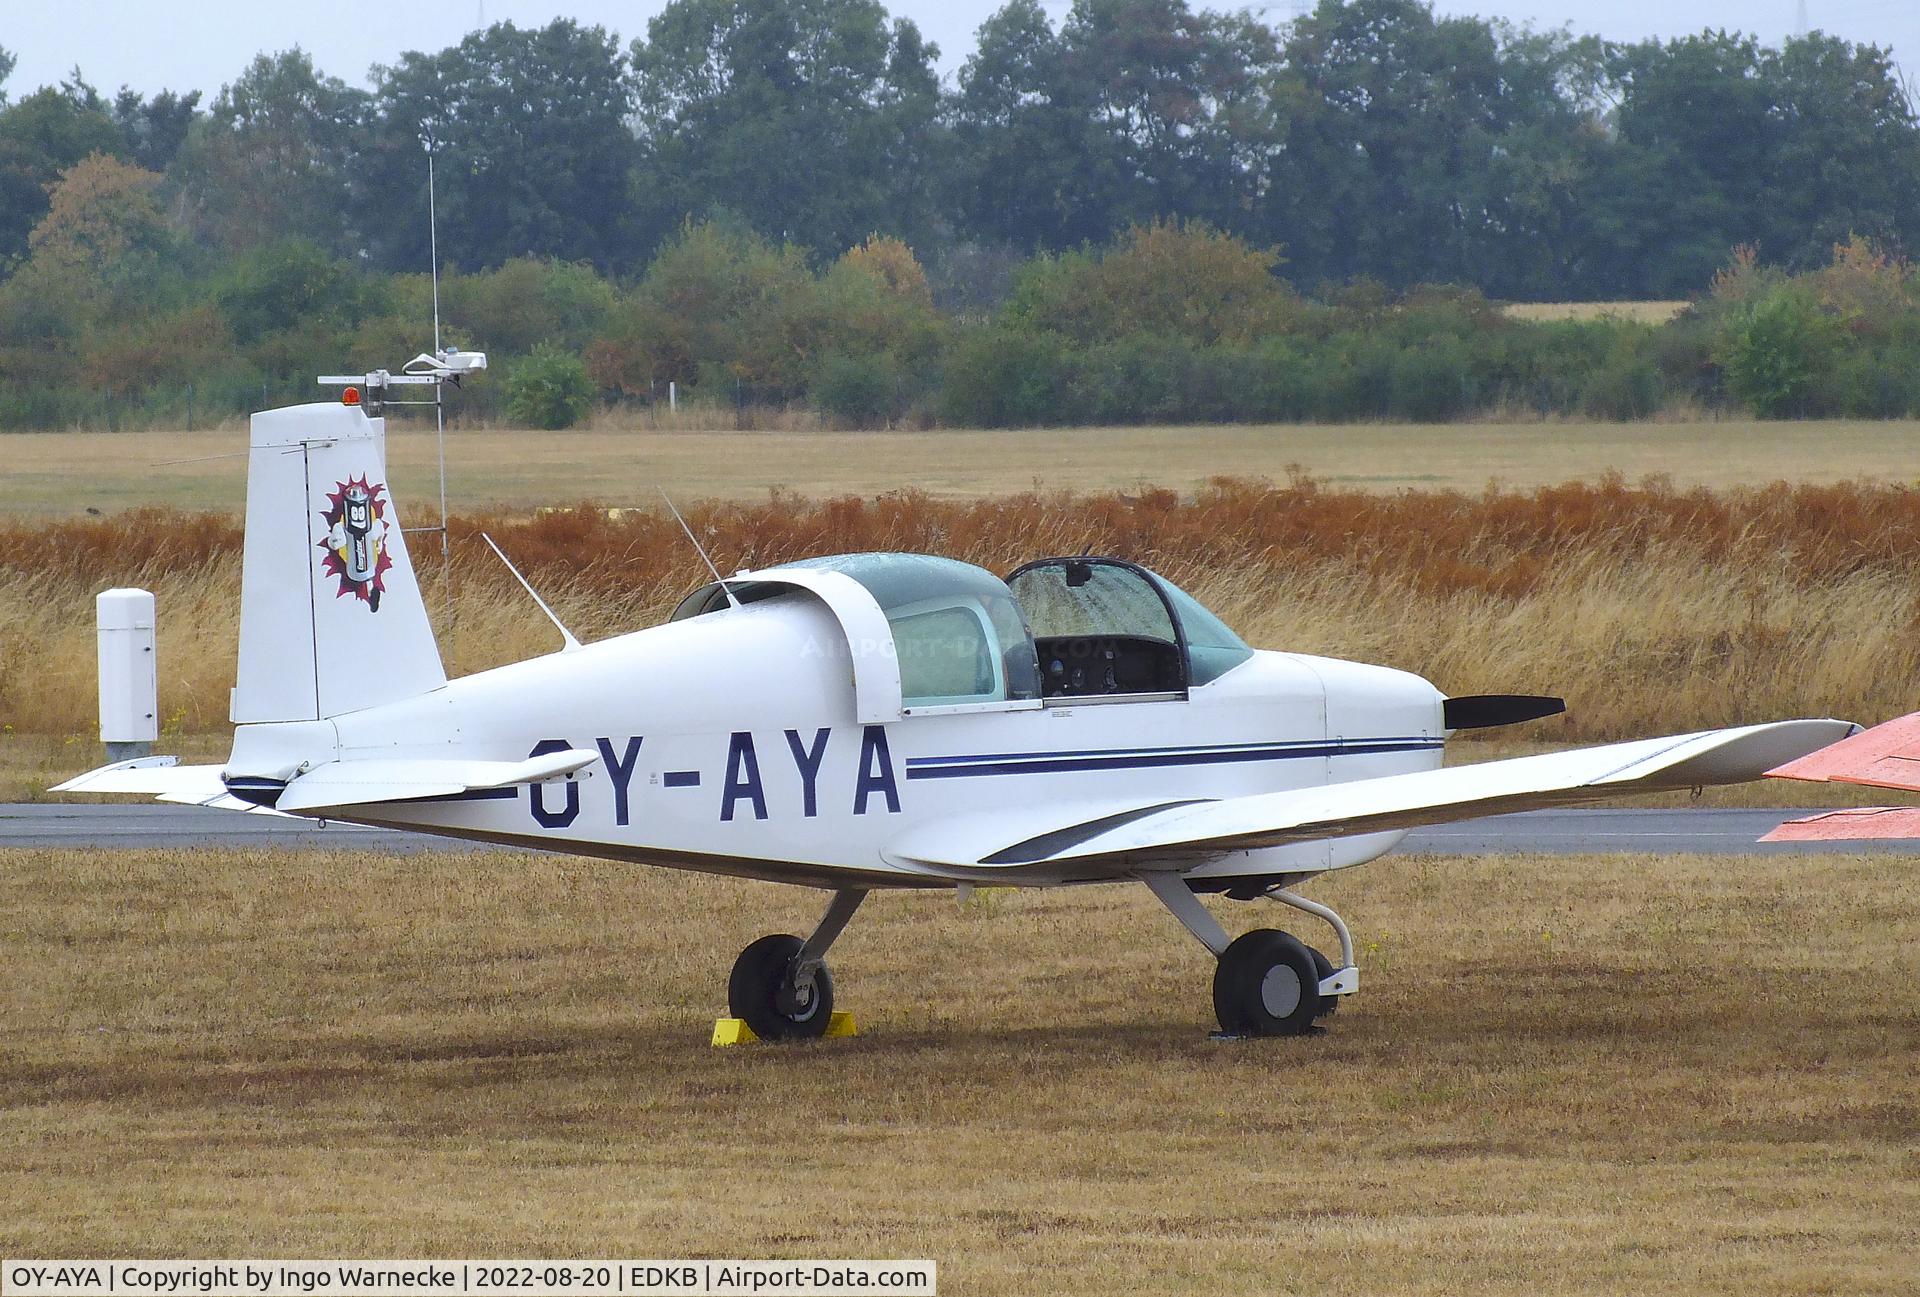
(1066, 629)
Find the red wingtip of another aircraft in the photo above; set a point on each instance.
(1886, 756)
(1857, 824)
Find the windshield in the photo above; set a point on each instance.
(1107, 626)
(1212, 647)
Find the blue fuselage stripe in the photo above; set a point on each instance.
(963, 767)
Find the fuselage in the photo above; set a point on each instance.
(731, 743)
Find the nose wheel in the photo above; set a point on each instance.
(1267, 982)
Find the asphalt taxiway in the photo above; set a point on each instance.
(1666, 830)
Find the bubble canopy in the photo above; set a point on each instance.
(1067, 628)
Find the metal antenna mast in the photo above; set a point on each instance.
(438, 367)
(439, 394)
(1800, 19)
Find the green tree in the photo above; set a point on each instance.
(526, 302)
(155, 128)
(718, 300)
(102, 218)
(1133, 109)
(273, 158)
(41, 136)
(1031, 167)
(1397, 123)
(811, 120)
(533, 153)
(290, 285)
(1846, 156)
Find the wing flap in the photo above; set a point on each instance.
(1391, 802)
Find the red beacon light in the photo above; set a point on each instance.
(350, 397)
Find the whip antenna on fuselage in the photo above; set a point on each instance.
(698, 548)
(565, 634)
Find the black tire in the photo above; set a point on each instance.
(758, 991)
(1323, 969)
(1265, 986)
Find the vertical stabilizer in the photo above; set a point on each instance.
(331, 617)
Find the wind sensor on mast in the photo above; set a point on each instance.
(436, 368)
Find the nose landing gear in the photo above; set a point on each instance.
(1267, 983)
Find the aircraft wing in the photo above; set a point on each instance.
(1886, 756)
(335, 784)
(1120, 839)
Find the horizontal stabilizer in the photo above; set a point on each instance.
(1124, 837)
(360, 783)
(338, 783)
(1483, 711)
(1855, 824)
(162, 777)
(1886, 756)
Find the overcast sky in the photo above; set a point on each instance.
(201, 44)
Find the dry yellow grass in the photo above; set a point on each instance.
(1618, 1075)
(1636, 647)
(1640, 312)
(63, 474)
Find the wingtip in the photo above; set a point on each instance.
(1862, 756)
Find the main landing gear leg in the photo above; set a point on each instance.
(780, 985)
(1267, 982)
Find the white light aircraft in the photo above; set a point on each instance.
(866, 721)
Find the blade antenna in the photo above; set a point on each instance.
(565, 634)
(699, 549)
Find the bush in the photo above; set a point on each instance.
(860, 390)
(1779, 354)
(1626, 387)
(1430, 381)
(1277, 386)
(1354, 377)
(1001, 378)
(549, 389)
(1879, 382)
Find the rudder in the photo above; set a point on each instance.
(331, 615)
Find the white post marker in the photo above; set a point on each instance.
(129, 676)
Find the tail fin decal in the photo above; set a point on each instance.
(331, 616)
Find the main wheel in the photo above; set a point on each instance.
(1265, 985)
(761, 991)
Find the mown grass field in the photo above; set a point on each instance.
(1639, 312)
(65, 474)
(1562, 1075)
